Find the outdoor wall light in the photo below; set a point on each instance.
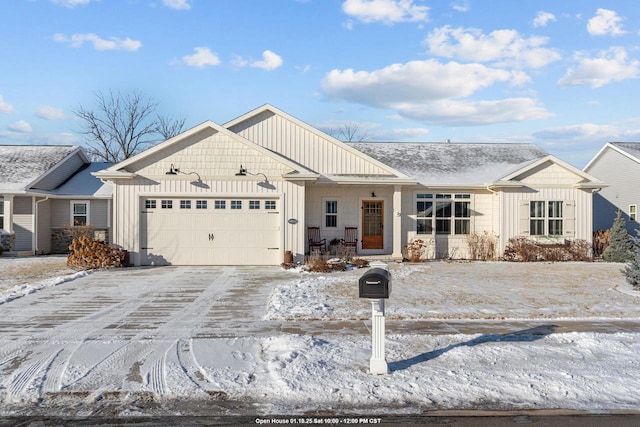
(242, 171)
(175, 171)
(264, 184)
(373, 194)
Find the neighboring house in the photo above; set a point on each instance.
(245, 193)
(46, 190)
(616, 163)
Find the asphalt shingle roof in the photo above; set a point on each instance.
(453, 163)
(633, 148)
(20, 165)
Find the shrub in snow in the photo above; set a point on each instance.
(482, 246)
(632, 270)
(620, 247)
(523, 249)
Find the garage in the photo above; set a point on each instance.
(210, 231)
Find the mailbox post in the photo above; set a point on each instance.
(375, 284)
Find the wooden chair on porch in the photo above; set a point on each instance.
(351, 238)
(315, 241)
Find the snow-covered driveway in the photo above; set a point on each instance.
(225, 340)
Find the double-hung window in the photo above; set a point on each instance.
(79, 213)
(331, 213)
(1, 214)
(633, 212)
(546, 218)
(443, 213)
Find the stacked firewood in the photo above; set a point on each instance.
(88, 253)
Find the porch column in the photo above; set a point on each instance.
(397, 222)
(8, 213)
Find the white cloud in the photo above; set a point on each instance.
(605, 22)
(270, 61)
(386, 11)
(20, 127)
(202, 58)
(70, 3)
(501, 46)
(239, 61)
(461, 5)
(113, 43)
(426, 91)
(543, 18)
(610, 66)
(472, 113)
(48, 112)
(177, 4)
(415, 81)
(5, 108)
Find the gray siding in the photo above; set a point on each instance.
(620, 172)
(43, 245)
(61, 173)
(23, 223)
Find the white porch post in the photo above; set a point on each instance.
(8, 213)
(397, 222)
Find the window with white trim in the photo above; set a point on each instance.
(79, 213)
(220, 204)
(254, 204)
(201, 204)
(166, 204)
(150, 204)
(236, 204)
(546, 218)
(1, 214)
(443, 213)
(270, 204)
(185, 204)
(330, 213)
(633, 213)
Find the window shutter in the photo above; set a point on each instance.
(570, 218)
(524, 217)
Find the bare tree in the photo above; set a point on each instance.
(123, 125)
(349, 132)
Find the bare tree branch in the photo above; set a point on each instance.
(123, 125)
(349, 132)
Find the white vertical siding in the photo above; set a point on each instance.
(299, 144)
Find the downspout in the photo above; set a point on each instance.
(35, 225)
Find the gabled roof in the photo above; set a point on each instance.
(450, 164)
(22, 166)
(627, 149)
(588, 181)
(119, 170)
(394, 173)
(83, 184)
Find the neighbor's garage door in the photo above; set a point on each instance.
(207, 231)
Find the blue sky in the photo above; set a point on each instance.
(560, 74)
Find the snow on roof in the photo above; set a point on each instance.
(20, 165)
(453, 163)
(82, 183)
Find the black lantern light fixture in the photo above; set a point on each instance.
(172, 170)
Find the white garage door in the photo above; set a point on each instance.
(208, 231)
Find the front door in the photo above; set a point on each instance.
(372, 224)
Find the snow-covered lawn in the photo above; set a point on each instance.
(209, 340)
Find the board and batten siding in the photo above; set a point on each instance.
(305, 147)
(128, 195)
(617, 170)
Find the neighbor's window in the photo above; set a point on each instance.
(444, 213)
(150, 204)
(1, 214)
(254, 204)
(185, 204)
(220, 204)
(546, 218)
(331, 213)
(270, 204)
(236, 204)
(201, 204)
(79, 213)
(166, 204)
(633, 212)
